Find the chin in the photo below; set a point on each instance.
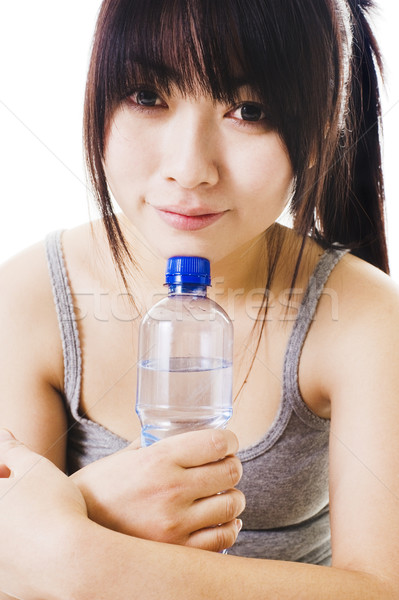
(186, 250)
(189, 246)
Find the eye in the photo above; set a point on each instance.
(146, 98)
(249, 112)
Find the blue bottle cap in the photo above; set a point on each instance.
(188, 269)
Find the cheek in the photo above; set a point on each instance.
(265, 171)
(126, 160)
(114, 161)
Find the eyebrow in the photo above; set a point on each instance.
(239, 82)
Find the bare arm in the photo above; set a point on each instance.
(363, 379)
(85, 560)
(31, 362)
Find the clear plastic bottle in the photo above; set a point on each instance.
(185, 357)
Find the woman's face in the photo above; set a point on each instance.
(194, 176)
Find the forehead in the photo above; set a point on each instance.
(183, 45)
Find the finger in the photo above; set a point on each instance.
(4, 472)
(135, 445)
(217, 538)
(14, 456)
(216, 510)
(197, 448)
(210, 479)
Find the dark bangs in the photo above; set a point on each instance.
(192, 46)
(213, 47)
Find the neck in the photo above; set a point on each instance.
(241, 271)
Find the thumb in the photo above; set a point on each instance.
(14, 455)
(136, 444)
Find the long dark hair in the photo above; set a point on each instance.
(313, 63)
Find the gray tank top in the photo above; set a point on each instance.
(285, 474)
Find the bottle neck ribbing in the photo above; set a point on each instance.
(193, 289)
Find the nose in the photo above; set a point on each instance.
(189, 152)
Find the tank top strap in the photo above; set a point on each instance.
(66, 320)
(299, 332)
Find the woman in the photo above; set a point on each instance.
(204, 120)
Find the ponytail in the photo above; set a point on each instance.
(352, 208)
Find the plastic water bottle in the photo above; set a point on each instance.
(185, 357)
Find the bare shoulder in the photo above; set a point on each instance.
(364, 293)
(24, 281)
(31, 354)
(27, 313)
(356, 332)
(26, 294)
(353, 335)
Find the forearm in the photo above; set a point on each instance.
(52, 551)
(110, 565)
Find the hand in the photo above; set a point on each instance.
(170, 491)
(39, 506)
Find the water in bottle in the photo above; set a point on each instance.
(185, 358)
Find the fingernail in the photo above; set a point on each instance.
(239, 524)
(5, 435)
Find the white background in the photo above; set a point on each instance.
(44, 51)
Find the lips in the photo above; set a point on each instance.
(192, 219)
